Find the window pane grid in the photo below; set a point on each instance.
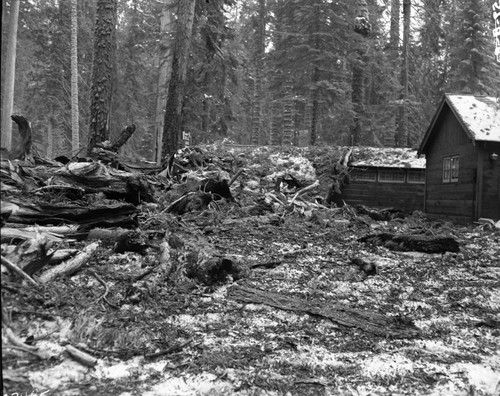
(450, 169)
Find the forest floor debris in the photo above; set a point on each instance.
(140, 323)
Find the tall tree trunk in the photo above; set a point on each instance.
(49, 153)
(287, 135)
(314, 107)
(361, 26)
(402, 136)
(9, 77)
(394, 32)
(358, 90)
(75, 130)
(102, 71)
(259, 74)
(164, 72)
(274, 137)
(256, 107)
(175, 99)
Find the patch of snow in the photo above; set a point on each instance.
(124, 369)
(299, 167)
(118, 370)
(435, 346)
(255, 307)
(57, 376)
(493, 301)
(385, 365)
(387, 157)
(191, 385)
(441, 322)
(480, 377)
(315, 357)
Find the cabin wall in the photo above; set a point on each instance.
(490, 199)
(405, 196)
(456, 199)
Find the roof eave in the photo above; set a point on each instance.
(422, 148)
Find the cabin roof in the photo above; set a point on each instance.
(386, 158)
(478, 115)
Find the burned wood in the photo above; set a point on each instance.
(289, 180)
(125, 135)
(213, 271)
(23, 149)
(386, 214)
(131, 241)
(365, 265)
(368, 321)
(416, 243)
(219, 189)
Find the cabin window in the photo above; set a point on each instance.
(391, 176)
(369, 175)
(454, 169)
(416, 176)
(450, 169)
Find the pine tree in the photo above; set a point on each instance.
(472, 69)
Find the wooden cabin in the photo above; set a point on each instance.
(386, 177)
(462, 148)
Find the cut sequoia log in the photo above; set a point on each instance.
(87, 217)
(412, 243)
(366, 320)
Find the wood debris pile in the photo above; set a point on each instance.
(84, 218)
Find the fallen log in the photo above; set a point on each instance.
(87, 217)
(71, 266)
(368, 321)
(94, 178)
(414, 243)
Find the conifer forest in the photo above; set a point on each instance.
(250, 197)
(254, 72)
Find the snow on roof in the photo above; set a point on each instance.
(386, 157)
(480, 115)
